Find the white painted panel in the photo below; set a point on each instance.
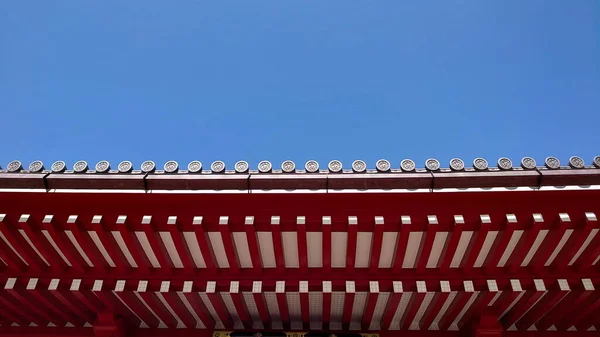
(252, 310)
(584, 245)
(194, 247)
(267, 252)
(534, 247)
(55, 246)
(415, 324)
(559, 247)
(171, 250)
(290, 249)
(101, 248)
(339, 244)
(314, 241)
(216, 241)
(240, 241)
(485, 249)
(514, 240)
(363, 249)
(378, 312)
(228, 301)
(143, 240)
(337, 309)
(463, 244)
(436, 250)
(399, 314)
(78, 247)
(293, 301)
(315, 301)
(412, 249)
(358, 308)
(388, 249)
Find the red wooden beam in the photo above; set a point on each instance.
(109, 243)
(413, 306)
(436, 305)
(474, 250)
(452, 244)
(277, 244)
(234, 266)
(18, 292)
(86, 296)
(589, 315)
(327, 288)
(555, 234)
(24, 316)
(217, 302)
(302, 244)
(556, 293)
(105, 291)
(261, 306)
(592, 251)
(78, 231)
(372, 298)
(253, 246)
(392, 305)
(491, 263)
(304, 304)
(282, 302)
(461, 299)
(56, 232)
(525, 244)
(172, 299)
(150, 229)
(17, 241)
(401, 244)
(508, 298)
(351, 246)
(133, 301)
(376, 244)
(528, 301)
(205, 249)
(575, 242)
(348, 303)
(480, 306)
(148, 292)
(326, 221)
(425, 250)
(40, 296)
(240, 305)
(197, 305)
(179, 242)
(581, 302)
(11, 259)
(63, 295)
(48, 255)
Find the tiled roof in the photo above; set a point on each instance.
(312, 176)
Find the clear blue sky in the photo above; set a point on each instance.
(275, 80)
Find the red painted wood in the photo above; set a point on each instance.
(263, 312)
(376, 247)
(369, 310)
(588, 315)
(152, 300)
(64, 296)
(479, 307)
(457, 305)
(555, 234)
(41, 298)
(87, 244)
(425, 248)
(242, 311)
(326, 311)
(523, 247)
(217, 302)
(552, 298)
(182, 248)
(132, 301)
(302, 248)
(526, 302)
(496, 253)
(205, 249)
(234, 265)
(278, 248)
(450, 249)
(11, 234)
(196, 303)
(400, 250)
(304, 310)
(22, 297)
(474, 249)
(112, 248)
(158, 247)
(326, 248)
(64, 244)
(283, 309)
(581, 233)
(253, 247)
(32, 230)
(351, 248)
(434, 308)
(411, 310)
(17, 308)
(347, 312)
(173, 300)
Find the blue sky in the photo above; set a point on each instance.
(276, 80)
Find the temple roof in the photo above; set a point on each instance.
(288, 177)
